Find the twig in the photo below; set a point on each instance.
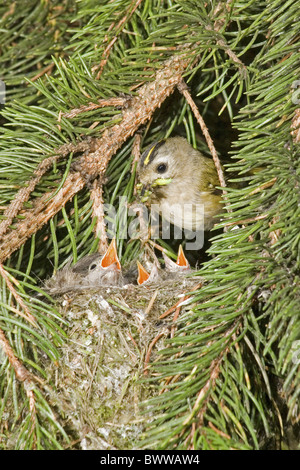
(248, 221)
(94, 163)
(263, 186)
(210, 383)
(27, 315)
(150, 305)
(47, 69)
(98, 212)
(122, 22)
(147, 358)
(175, 318)
(149, 97)
(182, 87)
(132, 339)
(143, 233)
(170, 310)
(177, 305)
(177, 311)
(172, 379)
(23, 194)
(10, 11)
(21, 372)
(221, 433)
(218, 24)
(43, 209)
(115, 102)
(32, 407)
(136, 153)
(158, 247)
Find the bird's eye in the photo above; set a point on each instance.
(161, 168)
(93, 266)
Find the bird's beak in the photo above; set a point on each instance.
(110, 258)
(181, 259)
(143, 275)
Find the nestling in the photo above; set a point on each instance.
(93, 270)
(182, 182)
(172, 269)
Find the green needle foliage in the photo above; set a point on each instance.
(231, 373)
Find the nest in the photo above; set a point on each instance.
(105, 375)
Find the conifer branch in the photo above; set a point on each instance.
(149, 97)
(242, 57)
(22, 374)
(114, 101)
(27, 315)
(24, 193)
(119, 27)
(136, 149)
(42, 211)
(204, 394)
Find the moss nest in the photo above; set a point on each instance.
(104, 377)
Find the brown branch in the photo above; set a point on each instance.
(33, 413)
(247, 221)
(183, 89)
(296, 126)
(175, 318)
(136, 153)
(21, 372)
(27, 315)
(170, 310)
(179, 302)
(203, 396)
(23, 194)
(98, 212)
(23, 375)
(10, 11)
(47, 70)
(150, 305)
(218, 431)
(263, 186)
(147, 359)
(102, 103)
(218, 24)
(136, 149)
(43, 209)
(149, 97)
(242, 67)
